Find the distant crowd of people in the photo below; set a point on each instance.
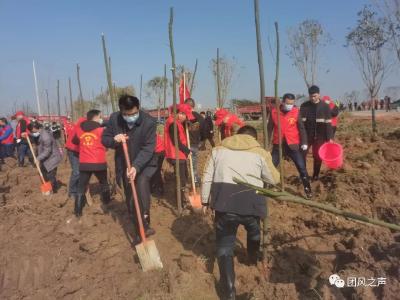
(382, 104)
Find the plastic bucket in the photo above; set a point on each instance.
(332, 155)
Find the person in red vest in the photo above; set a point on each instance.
(156, 182)
(73, 156)
(22, 144)
(228, 123)
(6, 140)
(184, 112)
(293, 135)
(92, 158)
(334, 113)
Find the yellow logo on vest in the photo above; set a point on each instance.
(88, 139)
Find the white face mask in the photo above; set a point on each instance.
(35, 134)
(288, 107)
(100, 121)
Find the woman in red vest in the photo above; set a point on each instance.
(6, 140)
(334, 113)
(92, 158)
(156, 182)
(22, 145)
(293, 135)
(184, 113)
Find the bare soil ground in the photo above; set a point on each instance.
(46, 254)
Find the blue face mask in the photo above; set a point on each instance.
(288, 107)
(131, 119)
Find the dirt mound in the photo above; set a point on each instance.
(46, 254)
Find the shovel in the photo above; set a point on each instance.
(149, 257)
(195, 200)
(46, 187)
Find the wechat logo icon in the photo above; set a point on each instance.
(335, 279)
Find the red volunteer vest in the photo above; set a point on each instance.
(91, 150)
(10, 139)
(18, 128)
(169, 146)
(159, 144)
(334, 119)
(70, 136)
(289, 129)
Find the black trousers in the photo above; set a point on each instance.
(156, 182)
(226, 225)
(51, 177)
(183, 171)
(315, 145)
(84, 178)
(142, 184)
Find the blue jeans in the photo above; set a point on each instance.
(6, 150)
(74, 179)
(226, 225)
(295, 155)
(195, 152)
(23, 150)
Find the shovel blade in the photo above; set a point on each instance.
(149, 256)
(46, 188)
(195, 201)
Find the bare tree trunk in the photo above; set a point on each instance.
(264, 113)
(261, 73)
(66, 105)
(193, 78)
(177, 173)
(165, 88)
(48, 103)
(107, 63)
(373, 117)
(58, 100)
(278, 110)
(218, 82)
(80, 90)
(70, 100)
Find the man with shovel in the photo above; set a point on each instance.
(49, 156)
(243, 157)
(138, 129)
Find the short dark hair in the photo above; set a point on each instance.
(92, 113)
(127, 102)
(288, 96)
(250, 130)
(4, 120)
(202, 112)
(190, 101)
(313, 90)
(34, 125)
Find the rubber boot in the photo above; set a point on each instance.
(253, 251)
(80, 201)
(227, 276)
(307, 187)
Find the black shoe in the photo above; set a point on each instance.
(20, 164)
(80, 201)
(307, 187)
(253, 251)
(227, 276)
(149, 231)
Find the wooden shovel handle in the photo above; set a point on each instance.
(134, 194)
(190, 163)
(34, 157)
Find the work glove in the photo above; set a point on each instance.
(18, 141)
(304, 147)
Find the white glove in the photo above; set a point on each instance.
(18, 141)
(304, 147)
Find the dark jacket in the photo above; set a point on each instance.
(141, 143)
(48, 151)
(317, 121)
(194, 129)
(207, 128)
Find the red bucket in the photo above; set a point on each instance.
(332, 155)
